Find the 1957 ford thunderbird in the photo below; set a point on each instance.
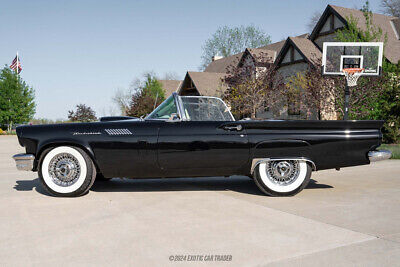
(192, 136)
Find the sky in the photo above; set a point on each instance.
(83, 51)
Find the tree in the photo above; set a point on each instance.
(313, 20)
(83, 113)
(16, 99)
(229, 41)
(385, 105)
(122, 99)
(325, 95)
(352, 33)
(253, 87)
(391, 7)
(147, 95)
(171, 75)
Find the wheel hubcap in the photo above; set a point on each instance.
(64, 169)
(283, 172)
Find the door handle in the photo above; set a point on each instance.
(234, 128)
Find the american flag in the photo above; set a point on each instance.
(16, 64)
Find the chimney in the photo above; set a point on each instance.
(216, 57)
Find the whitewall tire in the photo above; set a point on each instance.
(66, 171)
(282, 177)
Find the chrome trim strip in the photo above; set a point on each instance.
(379, 155)
(257, 161)
(24, 162)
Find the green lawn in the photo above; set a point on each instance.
(395, 148)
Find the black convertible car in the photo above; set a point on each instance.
(192, 136)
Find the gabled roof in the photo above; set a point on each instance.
(170, 86)
(262, 54)
(221, 65)
(386, 23)
(278, 45)
(206, 83)
(306, 48)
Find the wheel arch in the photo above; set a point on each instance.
(56, 143)
(256, 161)
(282, 149)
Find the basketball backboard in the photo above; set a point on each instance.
(337, 56)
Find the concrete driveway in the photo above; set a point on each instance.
(351, 217)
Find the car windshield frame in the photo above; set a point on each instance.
(177, 100)
(218, 100)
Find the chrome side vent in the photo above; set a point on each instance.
(118, 131)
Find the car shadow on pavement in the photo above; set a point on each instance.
(240, 184)
(29, 185)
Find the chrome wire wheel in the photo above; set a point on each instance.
(65, 169)
(283, 172)
(282, 177)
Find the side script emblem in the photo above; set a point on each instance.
(118, 131)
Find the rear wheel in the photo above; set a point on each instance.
(66, 171)
(282, 177)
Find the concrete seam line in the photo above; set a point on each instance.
(309, 219)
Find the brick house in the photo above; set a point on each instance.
(294, 54)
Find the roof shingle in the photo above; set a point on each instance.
(221, 65)
(170, 86)
(392, 47)
(207, 83)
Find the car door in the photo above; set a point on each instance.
(201, 148)
(127, 149)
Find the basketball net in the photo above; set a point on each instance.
(352, 75)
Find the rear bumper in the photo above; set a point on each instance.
(379, 155)
(24, 162)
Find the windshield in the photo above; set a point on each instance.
(164, 110)
(205, 109)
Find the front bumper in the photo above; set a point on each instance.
(24, 162)
(379, 155)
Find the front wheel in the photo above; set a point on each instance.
(66, 171)
(282, 177)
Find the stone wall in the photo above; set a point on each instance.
(325, 38)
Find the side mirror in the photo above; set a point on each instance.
(174, 117)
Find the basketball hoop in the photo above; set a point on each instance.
(352, 75)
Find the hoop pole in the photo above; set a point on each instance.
(346, 102)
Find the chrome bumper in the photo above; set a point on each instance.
(24, 162)
(379, 155)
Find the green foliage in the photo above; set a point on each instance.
(16, 99)
(394, 148)
(83, 113)
(153, 87)
(385, 105)
(351, 33)
(40, 121)
(228, 41)
(148, 95)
